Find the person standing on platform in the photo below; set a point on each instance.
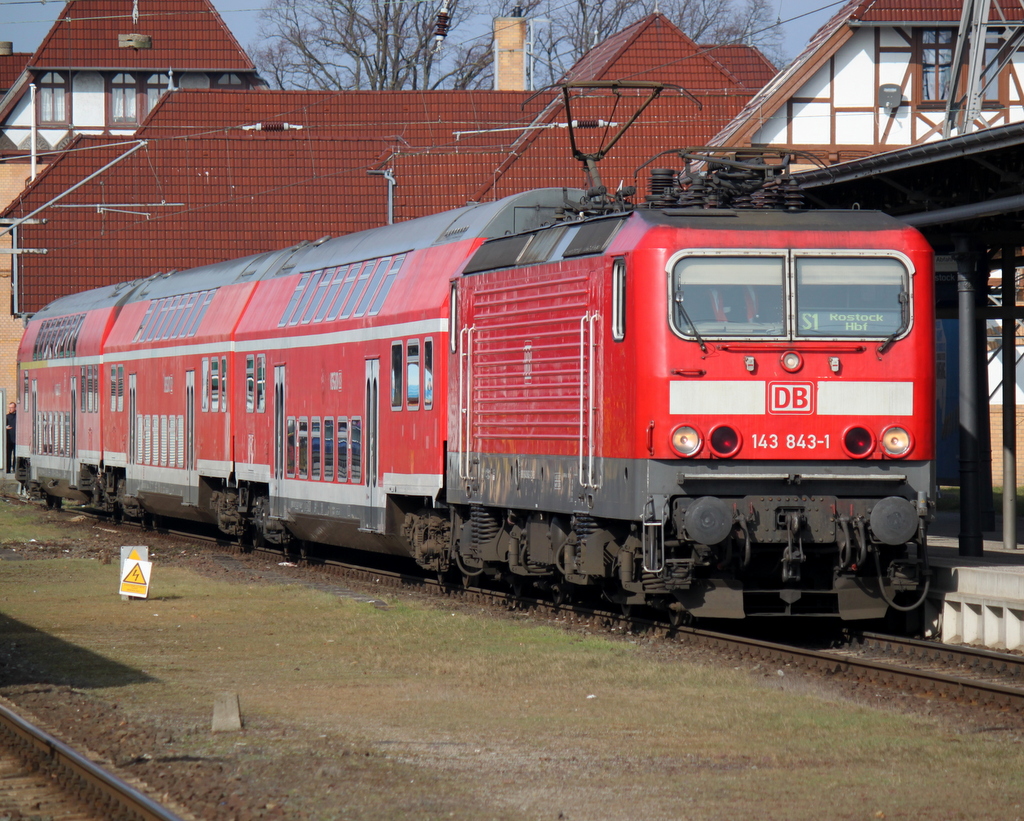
(12, 420)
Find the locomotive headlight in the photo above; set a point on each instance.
(791, 361)
(725, 441)
(685, 440)
(896, 441)
(858, 442)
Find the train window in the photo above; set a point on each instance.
(453, 315)
(396, 376)
(826, 305)
(592, 237)
(261, 382)
(250, 383)
(541, 245)
(289, 309)
(728, 296)
(360, 285)
(502, 252)
(378, 274)
(172, 445)
(224, 384)
(215, 384)
(145, 321)
(147, 457)
(412, 373)
(163, 320)
(349, 273)
(24, 388)
(163, 440)
(181, 441)
(177, 317)
(338, 276)
(199, 313)
(389, 280)
(428, 373)
(314, 448)
(184, 312)
(303, 447)
(113, 387)
(342, 449)
(318, 296)
(329, 449)
(206, 384)
(120, 387)
(307, 295)
(290, 437)
(619, 299)
(82, 392)
(357, 448)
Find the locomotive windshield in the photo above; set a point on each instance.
(730, 296)
(860, 296)
(749, 296)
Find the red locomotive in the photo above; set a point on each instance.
(716, 411)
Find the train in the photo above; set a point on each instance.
(716, 408)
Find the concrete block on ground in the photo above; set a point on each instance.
(227, 718)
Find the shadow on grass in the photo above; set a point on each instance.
(30, 656)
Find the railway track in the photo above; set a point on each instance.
(42, 777)
(960, 674)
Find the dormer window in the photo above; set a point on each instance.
(123, 104)
(132, 98)
(156, 86)
(52, 97)
(228, 81)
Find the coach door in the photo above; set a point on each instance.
(73, 434)
(277, 482)
(191, 493)
(374, 517)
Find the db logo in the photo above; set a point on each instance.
(790, 397)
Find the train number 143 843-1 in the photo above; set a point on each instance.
(809, 441)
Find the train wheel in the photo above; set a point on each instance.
(627, 610)
(53, 502)
(561, 593)
(678, 618)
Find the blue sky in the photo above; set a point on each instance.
(25, 22)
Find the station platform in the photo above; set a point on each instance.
(977, 601)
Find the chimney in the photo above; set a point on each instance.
(6, 48)
(510, 52)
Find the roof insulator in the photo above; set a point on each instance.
(272, 126)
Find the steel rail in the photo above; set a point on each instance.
(43, 745)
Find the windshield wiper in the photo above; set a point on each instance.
(904, 300)
(686, 316)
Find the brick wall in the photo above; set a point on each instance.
(996, 417)
(13, 179)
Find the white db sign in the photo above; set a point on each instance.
(790, 397)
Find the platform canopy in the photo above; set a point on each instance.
(966, 194)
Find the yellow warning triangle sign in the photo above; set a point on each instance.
(134, 556)
(134, 576)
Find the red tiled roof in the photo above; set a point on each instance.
(653, 49)
(926, 11)
(186, 34)
(11, 66)
(203, 189)
(747, 63)
(206, 188)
